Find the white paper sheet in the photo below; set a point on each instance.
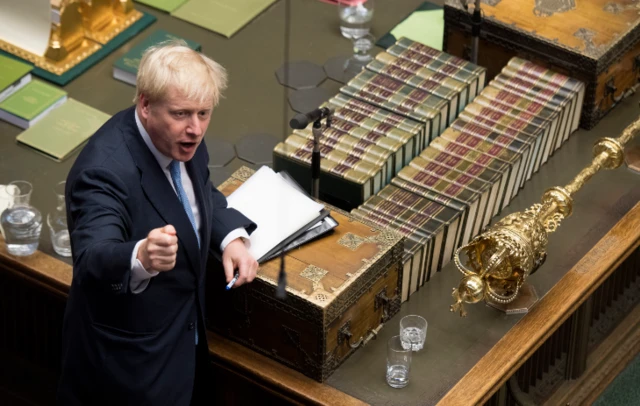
(26, 24)
(276, 207)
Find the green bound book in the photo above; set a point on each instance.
(164, 5)
(13, 76)
(31, 103)
(126, 68)
(64, 130)
(225, 17)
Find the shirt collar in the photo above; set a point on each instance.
(162, 159)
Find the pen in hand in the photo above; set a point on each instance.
(233, 281)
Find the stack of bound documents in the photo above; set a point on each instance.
(13, 76)
(465, 176)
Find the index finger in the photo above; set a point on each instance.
(166, 240)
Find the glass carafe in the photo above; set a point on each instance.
(57, 221)
(355, 17)
(21, 222)
(362, 47)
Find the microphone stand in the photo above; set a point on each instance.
(281, 288)
(476, 24)
(301, 121)
(315, 155)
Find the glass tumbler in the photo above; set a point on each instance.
(57, 222)
(355, 17)
(21, 222)
(398, 363)
(413, 331)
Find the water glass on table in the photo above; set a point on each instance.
(398, 363)
(413, 331)
(21, 222)
(57, 221)
(355, 17)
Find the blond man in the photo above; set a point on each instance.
(142, 216)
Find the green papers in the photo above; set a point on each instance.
(63, 130)
(164, 5)
(126, 68)
(425, 25)
(31, 103)
(13, 76)
(225, 17)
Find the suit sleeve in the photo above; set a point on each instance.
(225, 219)
(99, 225)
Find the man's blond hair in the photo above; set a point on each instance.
(173, 64)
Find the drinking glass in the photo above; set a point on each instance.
(355, 17)
(413, 331)
(362, 47)
(361, 55)
(21, 222)
(57, 221)
(398, 363)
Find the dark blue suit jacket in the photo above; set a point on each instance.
(122, 348)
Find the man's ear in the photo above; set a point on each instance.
(145, 105)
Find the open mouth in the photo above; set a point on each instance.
(187, 145)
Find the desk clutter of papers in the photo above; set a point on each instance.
(421, 146)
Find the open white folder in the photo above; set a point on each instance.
(279, 210)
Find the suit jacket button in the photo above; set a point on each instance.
(192, 326)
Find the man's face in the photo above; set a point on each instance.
(176, 124)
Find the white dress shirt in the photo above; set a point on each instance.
(140, 277)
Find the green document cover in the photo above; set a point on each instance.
(126, 68)
(225, 17)
(164, 5)
(33, 99)
(11, 71)
(63, 130)
(425, 25)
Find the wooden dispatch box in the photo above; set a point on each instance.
(341, 288)
(594, 41)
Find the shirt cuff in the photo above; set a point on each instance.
(237, 233)
(140, 277)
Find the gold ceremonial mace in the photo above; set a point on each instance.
(499, 260)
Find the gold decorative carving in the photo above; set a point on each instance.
(546, 8)
(590, 47)
(104, 19)
(383, 238)
(616, 8)
(496, 263)
(78, 30)
(351, 241)
(243, 173)
(313, 273)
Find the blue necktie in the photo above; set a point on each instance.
(174, 169)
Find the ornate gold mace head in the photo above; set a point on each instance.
(496, 263)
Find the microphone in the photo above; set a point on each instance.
(301, 121)
(281, 290)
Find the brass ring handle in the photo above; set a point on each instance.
(356, 345)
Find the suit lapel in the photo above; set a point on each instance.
(203, 204)
(161, 195)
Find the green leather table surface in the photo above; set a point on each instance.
(254, 102)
